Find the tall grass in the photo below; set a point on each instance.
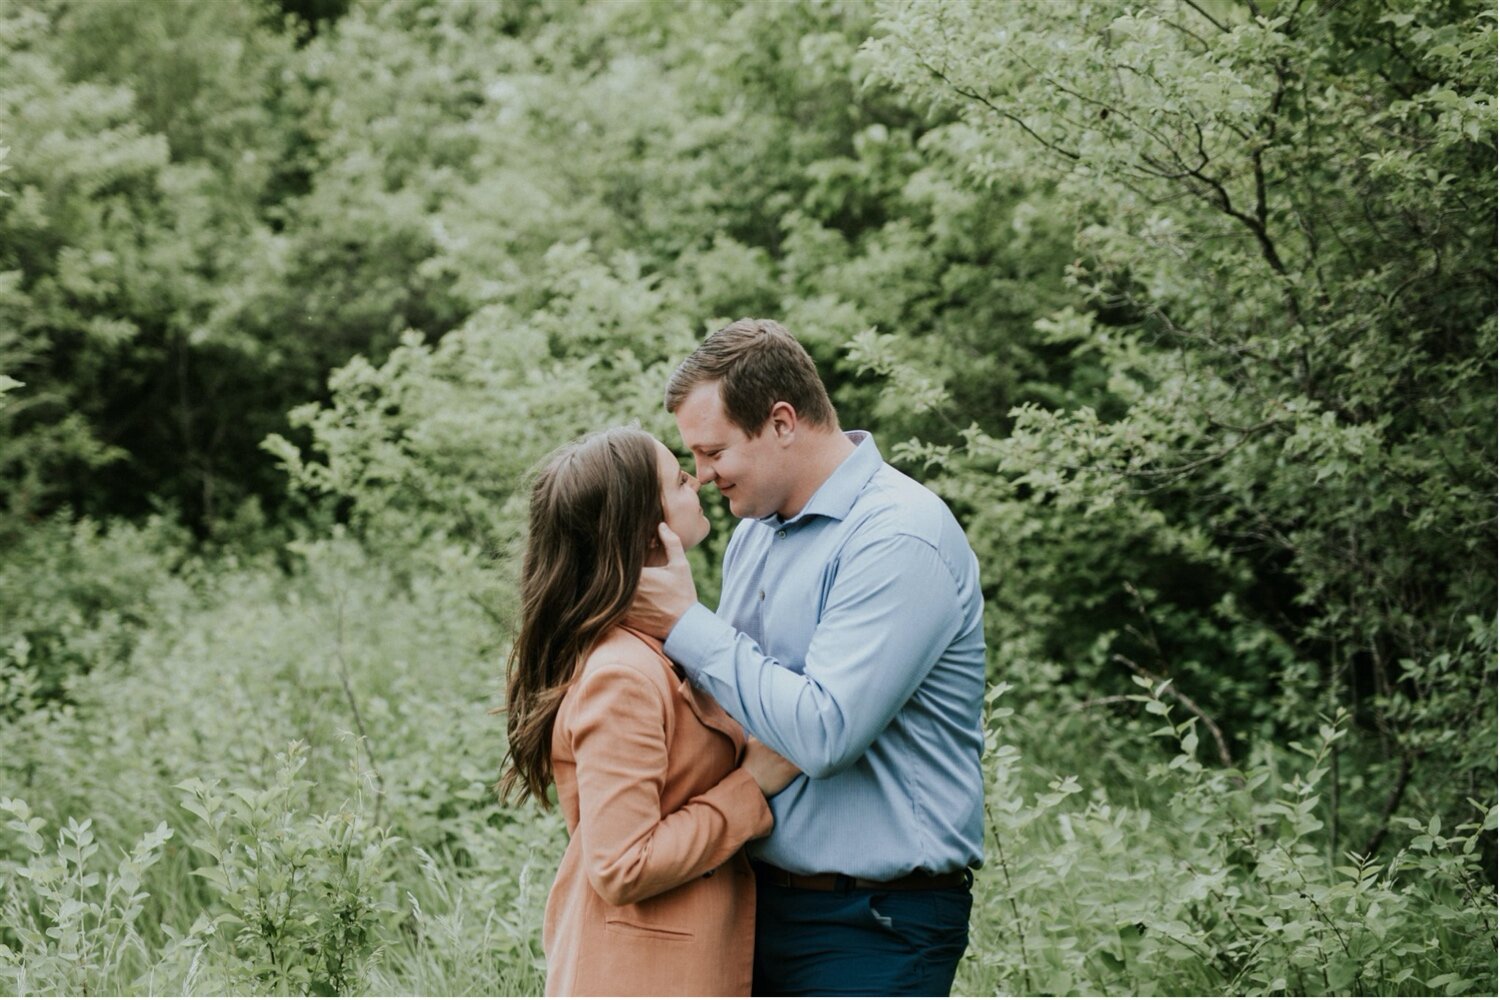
(281, 784)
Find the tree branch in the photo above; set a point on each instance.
(1225, 758)
(1209, 17)
(974, 95)
(1248, 434)
(1392, 803)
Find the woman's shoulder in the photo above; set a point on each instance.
(626, 651)
(622, 676)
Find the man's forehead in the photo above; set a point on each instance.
(705, 435)
(702, 421)
(702, 399)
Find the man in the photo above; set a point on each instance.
(849, 638)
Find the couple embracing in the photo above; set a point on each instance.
(782, 796)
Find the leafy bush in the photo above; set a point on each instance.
(1192, 323)
(303, 896)
(72, 931)
(1291, 449)
(77, 597)
(1223, 882)
(309, 761)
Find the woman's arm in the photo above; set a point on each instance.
(630, 850)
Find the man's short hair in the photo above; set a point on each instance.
(757, 363)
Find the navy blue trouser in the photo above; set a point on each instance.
(860, 942)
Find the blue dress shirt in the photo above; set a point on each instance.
(850, 639)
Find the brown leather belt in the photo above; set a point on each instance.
(829, 882)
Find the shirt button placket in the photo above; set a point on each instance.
(758, 616)
(780, 534)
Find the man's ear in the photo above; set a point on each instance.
(783, 421)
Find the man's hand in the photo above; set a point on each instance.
(665, 592)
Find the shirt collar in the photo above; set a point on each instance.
(835, 498)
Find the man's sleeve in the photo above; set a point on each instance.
(892, 610)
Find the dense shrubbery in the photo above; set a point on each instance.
(1189, 312)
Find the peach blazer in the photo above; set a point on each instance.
(654, 896)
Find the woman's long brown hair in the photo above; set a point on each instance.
(594, 511)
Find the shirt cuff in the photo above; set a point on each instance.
(696, 637)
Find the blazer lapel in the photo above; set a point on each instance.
(712, 715)
(704, 707)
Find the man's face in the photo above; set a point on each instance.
(749, 471)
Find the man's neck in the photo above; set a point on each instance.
(822, 453)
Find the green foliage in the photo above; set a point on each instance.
(322, 767)
(1188, 309)
(70, 928)
(139, 138)
(439, 438)
(76, 599)
(303, 896)
(1224, 889)
(1287, 254)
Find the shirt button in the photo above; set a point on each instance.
(781, 533)
(762, 595)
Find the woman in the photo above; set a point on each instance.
(658, 787)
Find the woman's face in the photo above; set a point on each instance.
(679, 499)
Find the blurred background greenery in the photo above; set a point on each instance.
(1188, 308)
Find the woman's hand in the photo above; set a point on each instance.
(665, 592)
(771, 771)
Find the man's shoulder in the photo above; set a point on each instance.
(894, 503)
(896, 512)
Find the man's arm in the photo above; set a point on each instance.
(892, 610)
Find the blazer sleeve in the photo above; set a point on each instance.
(631, 851)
